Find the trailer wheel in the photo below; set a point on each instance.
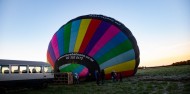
(44, 85)
(3, 90)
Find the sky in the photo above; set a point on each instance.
(161, 27)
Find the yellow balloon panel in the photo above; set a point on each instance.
(81, 34)
(129, 65)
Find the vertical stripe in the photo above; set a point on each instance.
(63, 66)
(67, 29)
(97, 35)
(69, 68)
(74, 33)
(51, 52)
(115, 41)
(60, 41)
(82, 31)
(78, 69)
(108, 35)
(90, 31)
(54, 44)
(84, 72)
(50, 61)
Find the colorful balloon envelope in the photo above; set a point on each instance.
(94, 42)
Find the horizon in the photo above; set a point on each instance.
(161, 28)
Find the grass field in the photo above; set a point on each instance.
(161, 80)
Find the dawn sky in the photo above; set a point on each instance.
(161, 27)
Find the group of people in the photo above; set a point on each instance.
(99, 76)
(116, 76)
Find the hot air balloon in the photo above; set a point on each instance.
(94, 42)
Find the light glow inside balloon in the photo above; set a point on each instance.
(94, 42)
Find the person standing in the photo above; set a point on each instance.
(116, 76)
(113, 76)
(102, 76)
(120, 77)
(97, 76)
(76, 78)
(89, 78)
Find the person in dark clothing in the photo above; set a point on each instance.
(76, 78)
(120, 77)
(97, 76)
(113, 76)
(89, 78)
(102, 76)
(116, 76)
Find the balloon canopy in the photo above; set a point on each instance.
(94, 42)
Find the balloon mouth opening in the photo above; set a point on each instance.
(74, 68)
(76, 62)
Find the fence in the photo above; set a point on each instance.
(63, 78)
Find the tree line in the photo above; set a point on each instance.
(181, 63)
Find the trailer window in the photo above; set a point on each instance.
(35, 69)
(5, 69)
(14, 69)
(0, 70)
(38, 69)
(23, 69)
(31, 68)
(47, 69)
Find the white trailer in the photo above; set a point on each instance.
(15, 73)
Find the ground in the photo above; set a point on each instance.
(161, 80)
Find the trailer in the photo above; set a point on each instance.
(17, 73)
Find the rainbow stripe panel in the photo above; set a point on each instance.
(81, 70)
(104, 39)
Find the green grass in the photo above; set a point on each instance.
(166, 71)
(130, 85)
(139, 87)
